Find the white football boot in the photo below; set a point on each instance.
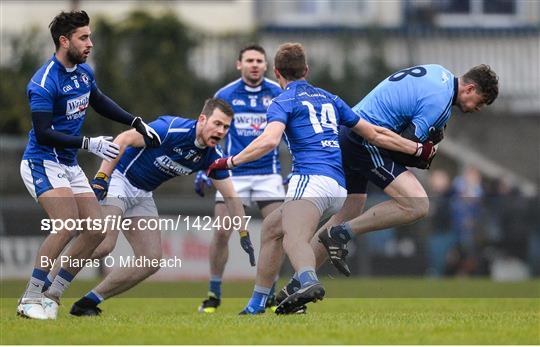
(31, 308)
(50, 307)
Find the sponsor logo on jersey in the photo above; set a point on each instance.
(316, 95)
(266, 100)
(445, 77)
(178, 150)
(85, 79)
(67, 88)
(249, 124)
(76, 107)
(330, 143)
(238, 102)
(170, 167)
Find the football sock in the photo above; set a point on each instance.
(92, 299)
(307, 276)
(214, 286)
(341, 233)
(258, 299)
(35, 285)
(61, 283)
(48, 282)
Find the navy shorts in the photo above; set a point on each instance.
(363, 162)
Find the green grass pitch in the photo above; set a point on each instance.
(391, 311)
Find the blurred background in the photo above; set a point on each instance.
(167, 57)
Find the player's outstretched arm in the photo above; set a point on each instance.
(385, 138)
(267, 141)
(236, 209)
(106, 107)
(100, 183)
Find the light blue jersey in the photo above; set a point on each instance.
(311, 116)
(66, 94)
(422, 95)
(250, 105)
(146, 168)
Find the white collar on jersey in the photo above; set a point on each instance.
(253, 89)
(198, 144)
(71, 69)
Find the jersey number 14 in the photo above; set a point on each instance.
(328, 117)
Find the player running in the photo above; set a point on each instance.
(127, 183)
(309, 117)
(416, 102)
(258, 182)
(59, 94)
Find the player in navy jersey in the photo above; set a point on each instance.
(126, 185)
(416, 102)
(257, 182)
(59, 94)
(309, 117)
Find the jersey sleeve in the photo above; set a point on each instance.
(347, 116)
(41, 99)
(216, 153)
(433, 114)
(162, 126)
(277, 112)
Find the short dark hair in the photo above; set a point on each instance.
(486, 81)
(290, 61)
(211, 104)
(251, 47)
(65, 23)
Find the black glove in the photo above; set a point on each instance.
(245, 242)
(151, 137)
(100, 185)
(436, 135)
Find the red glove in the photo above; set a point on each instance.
(425, 150)
(220, 164)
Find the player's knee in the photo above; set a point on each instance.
(104, 249)
(272, 231)
(416, 209)
(221, 238)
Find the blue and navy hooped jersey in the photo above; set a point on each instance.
(146, 168)
(250, 105)
(66, 93)
(311, 116)
(422, 95)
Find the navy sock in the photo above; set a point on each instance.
(341, 232)
(214, 286)
(307, 276)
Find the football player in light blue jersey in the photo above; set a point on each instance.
(126, 185)
(309, 117)
(59, 94)
(257, 182)
(416, 102)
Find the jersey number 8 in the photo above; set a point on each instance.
(328, 117)
(417, 71)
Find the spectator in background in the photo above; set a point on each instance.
(440, 238)
(466, 211)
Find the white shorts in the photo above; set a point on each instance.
(40, 176)
(257, 188)
(133, 202)
(323, 191)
